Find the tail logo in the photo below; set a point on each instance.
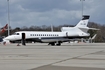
(84, 23)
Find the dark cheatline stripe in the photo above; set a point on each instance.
(52, 38)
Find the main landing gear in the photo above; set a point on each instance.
(53, 43)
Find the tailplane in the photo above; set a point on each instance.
(82, 25)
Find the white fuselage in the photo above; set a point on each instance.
(46, 36)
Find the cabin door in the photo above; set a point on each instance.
(23, 36)
(23, 39)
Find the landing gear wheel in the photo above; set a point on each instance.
(58, 44)
(52, 44)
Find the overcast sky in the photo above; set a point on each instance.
(46, 12)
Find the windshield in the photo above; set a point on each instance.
(16, 34)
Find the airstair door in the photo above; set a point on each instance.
(23, 39)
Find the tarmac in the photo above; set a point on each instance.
(40, 56)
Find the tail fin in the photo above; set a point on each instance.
(84, 22)
(4, 28)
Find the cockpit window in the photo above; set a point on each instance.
(16, 34)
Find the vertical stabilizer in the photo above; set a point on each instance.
(84, 22)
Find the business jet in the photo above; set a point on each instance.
(53, 38)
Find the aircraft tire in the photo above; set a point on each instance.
(58, 44)
(52, 44)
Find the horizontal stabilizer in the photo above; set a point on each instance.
(89, 28)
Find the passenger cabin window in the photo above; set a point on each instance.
(40, 34)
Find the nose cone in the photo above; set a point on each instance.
(9, 38)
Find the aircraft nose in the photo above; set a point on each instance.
(9, 38)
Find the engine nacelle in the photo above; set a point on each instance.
(72, 34)
(66, 28)
(84, 34)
